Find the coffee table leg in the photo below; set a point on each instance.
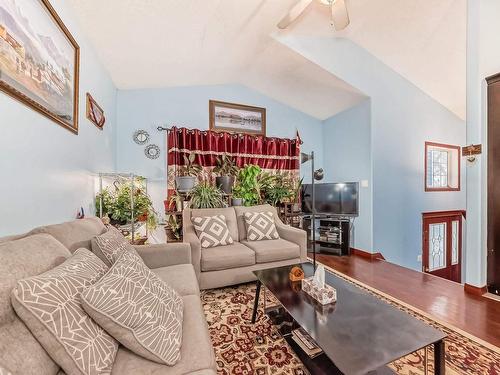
(256, 302)
(439, 358)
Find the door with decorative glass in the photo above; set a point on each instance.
(442, 244)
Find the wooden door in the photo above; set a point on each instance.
(442, 244)
(493, 241)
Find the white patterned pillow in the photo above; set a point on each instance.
(212, 231)
(110, 245)
(138, 309)
(260, 226)
(49, 304)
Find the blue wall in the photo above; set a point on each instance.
(347, 158)
(402, 118)
(188, 106)
(47, 171)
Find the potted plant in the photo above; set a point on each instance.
(117, 205)
(189, 173)
(206, 195)
(247, 187)
(296, 198)
(177, 201)
(237, 199)
(173, 229)
(226, 170)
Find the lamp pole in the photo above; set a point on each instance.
(313, 217)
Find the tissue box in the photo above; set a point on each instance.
(324, 295)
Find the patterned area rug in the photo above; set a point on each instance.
(245, 348)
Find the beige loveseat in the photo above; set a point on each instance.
(46, 247)
(234, 264)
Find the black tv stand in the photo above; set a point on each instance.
(333, 234)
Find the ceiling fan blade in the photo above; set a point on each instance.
(294, 13)
(340, 17)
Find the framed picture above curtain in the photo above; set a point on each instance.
(237, 118)
(39, 60)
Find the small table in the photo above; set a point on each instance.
(360, 335)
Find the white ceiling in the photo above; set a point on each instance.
(166, 43)
(424, 41)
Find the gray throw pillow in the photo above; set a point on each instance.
(260, 226)
(212, 231)
(138, 309)
(110, 245)
(49, 305)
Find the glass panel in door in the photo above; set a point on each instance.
(437, 246)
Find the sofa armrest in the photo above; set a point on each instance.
(189, 236)
(195, 245)
(163, 255)
(295, 235)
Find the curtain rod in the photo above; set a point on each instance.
(161, 129)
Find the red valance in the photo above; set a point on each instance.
(269, 153)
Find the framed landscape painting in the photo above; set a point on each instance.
(39, 60)
(237, 118)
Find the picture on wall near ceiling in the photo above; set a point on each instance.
(94, 112)
(237, 118)
(39, 60)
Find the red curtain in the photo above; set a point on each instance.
(277, 155)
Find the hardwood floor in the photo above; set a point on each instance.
(445, 300)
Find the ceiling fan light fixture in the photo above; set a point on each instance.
(326, 2)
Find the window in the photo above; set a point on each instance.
(442, 167)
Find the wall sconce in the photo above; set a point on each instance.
(471, 151)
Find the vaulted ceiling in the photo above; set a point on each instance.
(165, 43)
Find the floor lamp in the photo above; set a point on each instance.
(316, 175)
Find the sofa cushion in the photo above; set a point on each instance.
(240, 218)
(110, 245)
(139, 309)
(196, 350)
(273, 250)
(228, 213)
(74, 234)
(181, 277)
(224, 257)
(212, 230)
(260, 226)
(22, 258)
(49, 304)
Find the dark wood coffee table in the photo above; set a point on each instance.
(359, 334)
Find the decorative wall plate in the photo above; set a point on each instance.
(152, 151)
(141, 137)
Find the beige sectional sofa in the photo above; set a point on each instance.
(46, 247)
(233, 264)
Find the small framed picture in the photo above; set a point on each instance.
(237, 118)
(94, 112)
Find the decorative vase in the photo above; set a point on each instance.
(185, 183)
(237, 201)
(225, 183)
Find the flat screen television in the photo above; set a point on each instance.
(338, 198)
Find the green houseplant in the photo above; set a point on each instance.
(206, 195)
(247, 187)
(117, 205)
(174, 229)
(189, 173)
(226, 171)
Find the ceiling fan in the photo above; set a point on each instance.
(339, 15)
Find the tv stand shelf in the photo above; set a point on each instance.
(334, 234)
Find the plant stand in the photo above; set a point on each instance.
(289, 215)
(133, 226)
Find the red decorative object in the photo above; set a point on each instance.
(278, 155)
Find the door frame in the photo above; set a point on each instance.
(444, 217)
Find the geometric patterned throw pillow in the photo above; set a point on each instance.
(260, 226)
(111, 245)
(49, 305)
(138, 309)
(212, 231)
